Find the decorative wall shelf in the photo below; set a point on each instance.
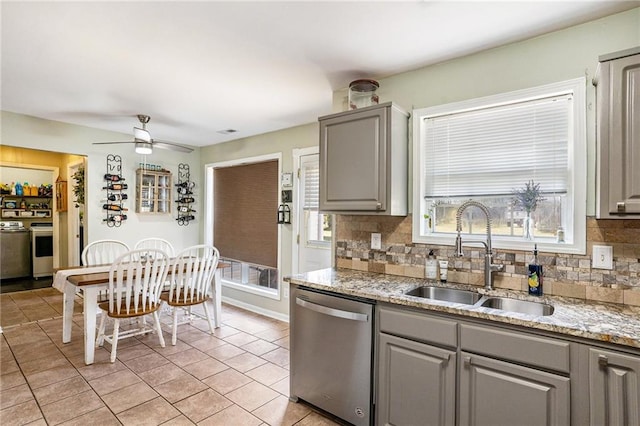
(185, 198)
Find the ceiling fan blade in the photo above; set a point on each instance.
(171, 146)
(110, 143)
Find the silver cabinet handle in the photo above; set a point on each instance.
(332, 312)
(603, 361)
(620, 205)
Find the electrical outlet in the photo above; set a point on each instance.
(376, 241)
(602, 257)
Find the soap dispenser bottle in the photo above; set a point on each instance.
(535, 275)
(431, 267)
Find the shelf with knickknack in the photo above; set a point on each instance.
(113, 203)
(185, 198)
(30, 202)
(153, 190)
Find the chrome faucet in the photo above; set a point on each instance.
(489, 266)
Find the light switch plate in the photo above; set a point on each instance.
(376, 241)
(602, 257)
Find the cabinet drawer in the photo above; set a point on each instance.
(518, 347)
(413, 325)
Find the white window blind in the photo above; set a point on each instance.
(311, 176)
(494, 150)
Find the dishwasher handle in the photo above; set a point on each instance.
(333, 312)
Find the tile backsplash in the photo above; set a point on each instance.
(564, 274)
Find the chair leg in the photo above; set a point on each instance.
(114, 339)
(158, 328)
(208, 315)
(174, 329)
(100, 339)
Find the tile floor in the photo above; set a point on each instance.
(239, 376)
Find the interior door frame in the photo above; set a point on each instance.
(297, 209)
(73, 221)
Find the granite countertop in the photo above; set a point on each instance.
(604, 322)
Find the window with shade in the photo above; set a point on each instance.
(245, 224)
(489, 150)
(317, 225)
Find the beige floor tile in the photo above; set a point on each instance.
(271, 335)
(284, 342)
(279, 356)
(71, 407)
(10, 380)
(187, 357)
(191, 334)
(281, 412)
(154, 412)
(60, 390)
(8, 365)
(315, 419)
(205, 368)
(259, 347)
(232, 415)
(102, 417)
(227, 381)
(20, 414)
(147, 362)
(14, 396)
(207, 343)
(202, 405)
(240, 339)
(268, 374)
(225, 352)
(53, 375)
(225, 331)
(168, 349)
(113, 382)
(41, 364)
(133, 351)
(101, 367)
(245, 362)
(181, 420)
(162, 374)
(128, 397)
(282, 386)
(180, 388)
(252, 396)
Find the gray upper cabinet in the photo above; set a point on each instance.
(363, 161)
(618, 133)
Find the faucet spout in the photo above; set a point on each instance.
(489, 266)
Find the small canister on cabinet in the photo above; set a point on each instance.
(362, 93)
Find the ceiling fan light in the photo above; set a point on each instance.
(144, 148)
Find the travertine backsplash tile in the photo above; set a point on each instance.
(565, 275)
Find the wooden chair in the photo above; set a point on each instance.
(191, 277)
(155, 243)
(135, 284)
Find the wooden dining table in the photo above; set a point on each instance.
(91, 280)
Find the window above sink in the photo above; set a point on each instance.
(488, 148)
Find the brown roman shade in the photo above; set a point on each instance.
(245, 212)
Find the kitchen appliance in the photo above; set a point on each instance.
(15, 259)
(42, 249)
(332, 353)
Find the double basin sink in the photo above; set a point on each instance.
(472, 298)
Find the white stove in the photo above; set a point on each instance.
(42, 249)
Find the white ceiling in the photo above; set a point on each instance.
(201, 67)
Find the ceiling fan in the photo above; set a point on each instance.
(144, 144)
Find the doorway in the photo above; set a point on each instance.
(313, 245)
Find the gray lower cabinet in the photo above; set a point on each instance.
(494, 393)
(417, 383)
(614, 388)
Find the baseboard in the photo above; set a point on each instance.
(256, 309)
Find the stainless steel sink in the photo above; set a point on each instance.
(520, 306)
(445, 294)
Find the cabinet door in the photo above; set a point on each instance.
(614, 388)
(353, 161)
(494, 393)
(416, 383)
(620, 133)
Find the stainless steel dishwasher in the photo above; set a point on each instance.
(332, 353)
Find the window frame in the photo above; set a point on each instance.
(577, 168)
(209, 228)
